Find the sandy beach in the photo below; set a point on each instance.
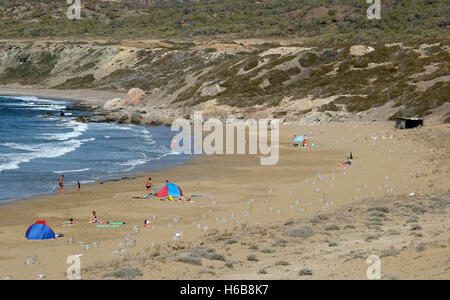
(90, 92)
(89, 96)
(304, 218)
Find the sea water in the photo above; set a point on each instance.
(38, 145)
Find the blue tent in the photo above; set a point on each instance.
(40, 231)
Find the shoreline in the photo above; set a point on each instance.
(88, 96)
(41, 93)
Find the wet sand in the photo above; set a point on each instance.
(389, 165)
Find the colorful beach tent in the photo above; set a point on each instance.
(40, 231)
(170, 190)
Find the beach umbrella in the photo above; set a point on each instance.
(170, 189)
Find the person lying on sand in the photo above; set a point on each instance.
(347, 162)
(94, 219)
(67, 223)
(144, 197)
(183, 199)
(295, 144)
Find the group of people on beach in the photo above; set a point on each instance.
(304, 144)
(94, 219)
(149, 186)
(153, 192)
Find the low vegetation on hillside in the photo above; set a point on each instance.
(413, 79)
(330, 20)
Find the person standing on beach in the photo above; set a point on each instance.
(61, 184)
(79, 186)
(149, 185)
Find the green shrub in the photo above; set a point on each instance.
(77, 82)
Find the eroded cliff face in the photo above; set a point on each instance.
(304, 85)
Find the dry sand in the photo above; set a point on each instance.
(274, 236)
(93, 97)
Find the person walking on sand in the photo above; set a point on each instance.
(61, 184)
(149, 185)
(79, 186)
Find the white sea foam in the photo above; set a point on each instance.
(148, 137)
(173, 153)
(86, 181)
(134, 162)
(36, 99)
(11, 161)
(35, 103)
(78, 129)
(72, 171)
(123, 127)
(36, 106)
(41, 107)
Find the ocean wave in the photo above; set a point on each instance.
(88, 140)
(34, 106)
(123, 127)
(148, 137)
(78, 129)
(134, 162)
(174, 153)
(36, 99)
(11, 161)
(34, 103)
(72, 171)
(29, 104)
(85, 181)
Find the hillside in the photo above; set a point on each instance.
(258, 80)
(302, 62)
(321, 19)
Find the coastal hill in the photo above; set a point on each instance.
(295, 60)
(341, 19)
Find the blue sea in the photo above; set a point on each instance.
(36, 149)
